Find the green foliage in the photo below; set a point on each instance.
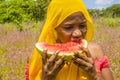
(96, 12)
(112, 11)
(16, 46)
(110, 22)
(19, 11)
(42, 7)
(2, 51)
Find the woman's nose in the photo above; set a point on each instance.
(77, 33)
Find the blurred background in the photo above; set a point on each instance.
(21, 23)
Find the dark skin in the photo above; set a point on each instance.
(74, 28)
(51, 67)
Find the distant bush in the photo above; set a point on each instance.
(110, 22)
(19, 11)
(112, 11)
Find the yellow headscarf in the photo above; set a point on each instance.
(58, 10)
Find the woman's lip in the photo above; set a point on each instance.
(76, 40)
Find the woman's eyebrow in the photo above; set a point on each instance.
(71, 22)
(84, 21)
(68, 23)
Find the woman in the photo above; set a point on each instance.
(68, 20)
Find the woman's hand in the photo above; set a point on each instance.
(85, 62)
(51, 67)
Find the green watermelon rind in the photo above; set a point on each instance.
(68, 56)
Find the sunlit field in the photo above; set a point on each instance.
(16, 45)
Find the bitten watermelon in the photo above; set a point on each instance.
(66, 49)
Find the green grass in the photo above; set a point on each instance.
(16, 45)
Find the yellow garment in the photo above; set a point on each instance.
(58, 10)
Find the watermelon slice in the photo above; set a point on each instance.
(66, 49)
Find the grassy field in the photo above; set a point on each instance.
(16, 45)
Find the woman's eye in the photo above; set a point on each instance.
(82, 26)
(68, 27)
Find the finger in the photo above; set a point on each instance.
(80, 65)
(44, 56)
(86, 51)
(80, 61)
(51, 60)
(79, 55)
(60, 67)
(84, 67)
(57, 69)
(59, 64)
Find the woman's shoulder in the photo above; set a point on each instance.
(95, 50)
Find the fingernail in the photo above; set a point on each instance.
(57, 51)
(45, 49)
(73, 56)
(79, 45)
(80, 51)
(63, 56)
(75, 53)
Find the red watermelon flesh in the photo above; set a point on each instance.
(66, 49)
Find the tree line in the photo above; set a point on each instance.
(112, 11)
(18, 11)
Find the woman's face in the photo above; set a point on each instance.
(72, 28)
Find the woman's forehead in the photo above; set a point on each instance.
(74, 15)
